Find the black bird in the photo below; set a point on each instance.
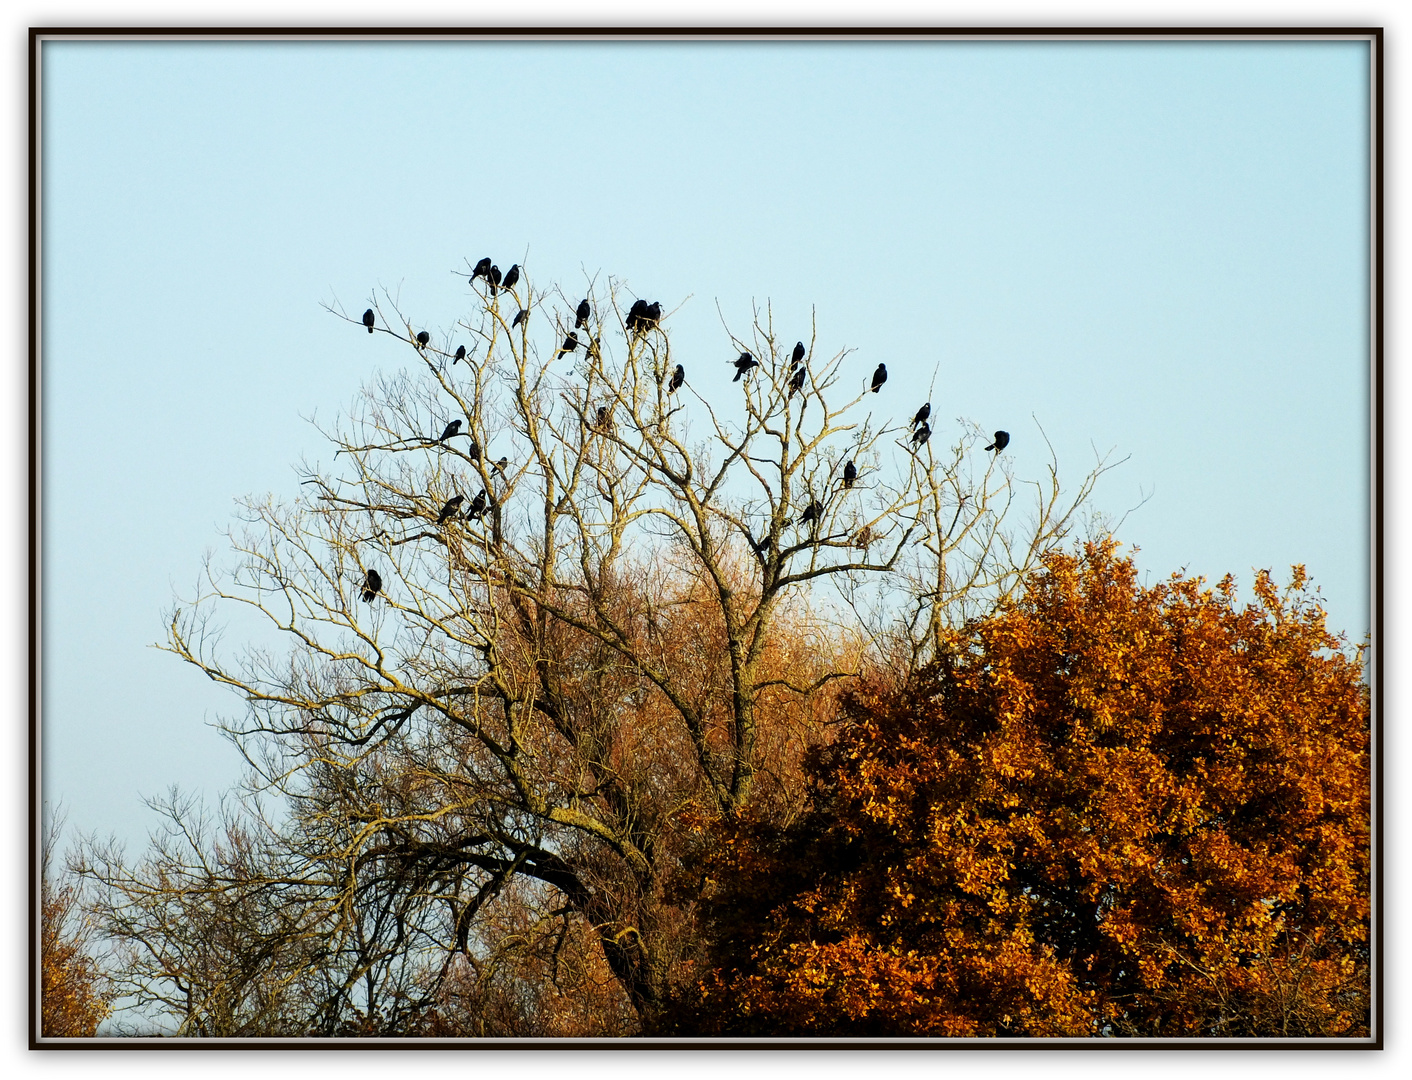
(482, 267)
(1002, 440)
(678, 377)
(422, 338)
(879, 377)
(850, 474)
(493, 276)
(582, 314)
(453, 428)
(460, 353)
(500, 465)
(369, 319)
(744, 364)
(474, 452)
(636, 314)
(652, 316)
(811, 512)
(372, 585)
(452, 505)
(798, 357)
(512, 275)
(797, 382)
(602, 416)
(570, 344)
(476, 511)
(922, 414)
(922, 434)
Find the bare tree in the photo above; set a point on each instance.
(572, 645)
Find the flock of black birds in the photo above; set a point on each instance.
(641, 317)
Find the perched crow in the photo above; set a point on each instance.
(922, 434)
(850, 474)
(369, 319)
(482, 267)
(762, 547)
(797, 382)
(422, 338)
(636, 314)
(602, 419)
(372, 585)
(460, 353)
(453, 428)
(652, 316)
(519, 318)
(570, 344)
(493, 276)
(476, 511)
(582, 314)
(512, 275)
(474, 452)
(744, 364)
(922, 414)
(500, 465)
(811, 512)
(879, 377)
(678, 377)
(452, 505)
(1002, 440)
(798, 357)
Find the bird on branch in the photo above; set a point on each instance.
(797, 382)
(449, 510)
(501, 465)
(879, 377)
(422, 338)
(519, 318)
(482, 268)
(921, 435)
(512, 275)
(476, 510)
(811, 512)
(636, 314)
(922, 413)
(797, 357)
(582, 314)
(744, 364)
(474, 452)
(678, 377)
(369, 319)
(460, 354)
(493, 276)
(1002, 440)
(452, 429)
(372, 585)
(850, 474)
(570, 344)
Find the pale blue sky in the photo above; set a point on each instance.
(1155, 248)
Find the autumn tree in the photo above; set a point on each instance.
(1103, 810)
(74, 994)
(559, 595)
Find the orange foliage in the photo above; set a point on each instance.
(1108, 810)
(73, 1003)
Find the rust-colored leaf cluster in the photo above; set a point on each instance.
(1107, 810)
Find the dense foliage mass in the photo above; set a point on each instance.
(1105, 810)
(74, 997)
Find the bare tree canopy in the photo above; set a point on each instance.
(636, 626)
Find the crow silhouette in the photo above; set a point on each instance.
(449, 510)
(582, 314)
(636, 314)
(570, 344)
(453, 428)
(797, 382)
(482, 267)
(678, 377)
(744, 364)
(476, 510)
(922, 434)
(850, 474)
(1002, 440)
(372, 585)
(500, 465)
(474, 452)
(422, 338)
(797, 357)
(811, 512)
(922, 414)
(879, 377)
(460, 353)
(369, 319)
(652, 316)
(512, 275)
(493, 276)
